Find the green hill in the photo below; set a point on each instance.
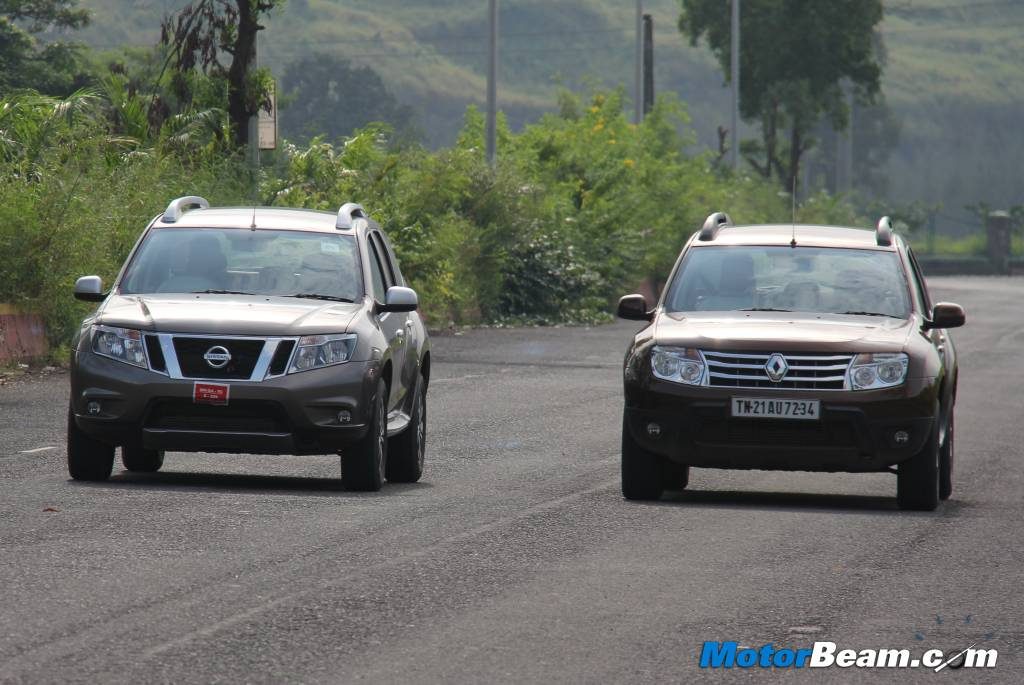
(953, 77)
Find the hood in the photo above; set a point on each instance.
(227, 314)
(782, 332)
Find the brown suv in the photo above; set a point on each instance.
(811, 348)
(262, 330)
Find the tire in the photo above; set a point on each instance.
(364, 463)
(88, 458)
(642, 471)
(141, 460)
(407, 450)
(677, 476)
(946, 453)
(917, 479)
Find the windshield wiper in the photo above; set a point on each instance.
(318, 296)
(765, 309)
(220, 292)
(891, 316)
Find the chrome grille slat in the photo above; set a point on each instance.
(739, 366)
(806, 371)
(833, 367)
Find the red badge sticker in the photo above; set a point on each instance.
(210, 393)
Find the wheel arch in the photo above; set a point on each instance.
(425, 370)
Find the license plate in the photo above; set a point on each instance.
(761, 408)
(210, 393)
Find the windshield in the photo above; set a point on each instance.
(262, 262)
(802, 279)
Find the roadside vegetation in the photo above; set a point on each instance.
(581, 208)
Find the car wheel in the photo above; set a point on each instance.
(946, 460)
(141, 460)
(642, 476)
(677, 476)
(88, 458)
(363, 464)
(917, 479)
(407, 450)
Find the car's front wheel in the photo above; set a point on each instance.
(88, 458)
(407, 450)
(642, 471)
(917, 479)
(364, 463)
(141, 460)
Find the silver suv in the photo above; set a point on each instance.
(252, 330)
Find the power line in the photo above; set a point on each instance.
(911, 8)
(444, 53)
(413, 40)
(944, 29)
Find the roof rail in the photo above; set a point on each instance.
(883, 232)
(712, 224)
(348, 212)
(178, 207)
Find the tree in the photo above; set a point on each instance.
(795, 56)
(202, 32)
(330, 97)
(25, 62)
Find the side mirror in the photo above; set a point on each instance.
(89, 289)
(947, 315)
(399, 299)
(634, 308)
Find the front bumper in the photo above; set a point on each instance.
(293, 414)
(856, 431)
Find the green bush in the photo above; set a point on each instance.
(582, 206)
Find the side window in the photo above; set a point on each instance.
(919, 283)
(396, 270)
(376, 273)
(385, 259)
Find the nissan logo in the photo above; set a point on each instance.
(217, 357)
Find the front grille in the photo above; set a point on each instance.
(279, 364)
(244, 354)
(807, 371)
(156, 354)
(241, 416)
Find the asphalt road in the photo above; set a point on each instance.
(516, 559)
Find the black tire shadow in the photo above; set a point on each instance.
(797, 502)
(237, 483)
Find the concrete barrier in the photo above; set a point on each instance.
(22, 336)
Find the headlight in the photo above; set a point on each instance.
(316, 351)
(871, 371)
(678, 365)
(123, 344)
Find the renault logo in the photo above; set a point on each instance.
(776, 367)
(217, 357)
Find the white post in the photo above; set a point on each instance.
(734, 150)
(492, 86)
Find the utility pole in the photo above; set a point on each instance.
(254, 127)
(648, 63)
(848, 141)
(492, 87)
(734, 149)
(844, 146)
(638, 94)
